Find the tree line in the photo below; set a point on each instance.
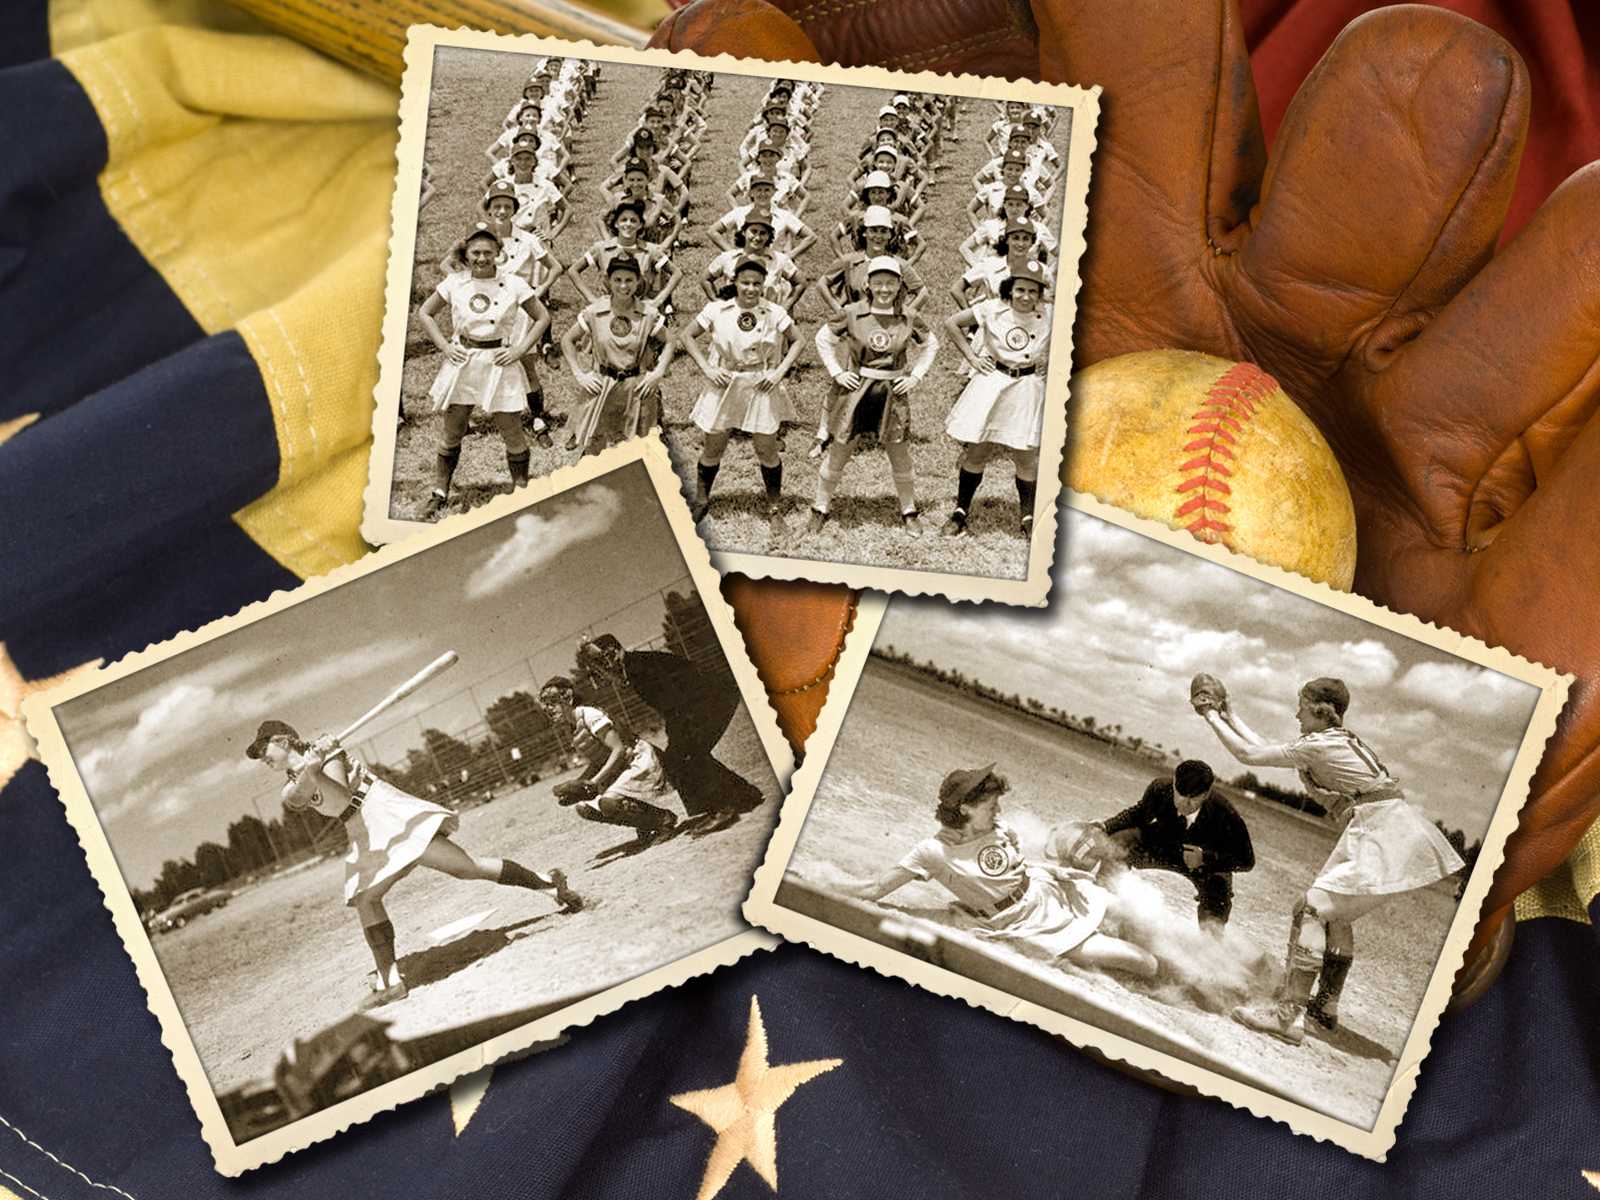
(515, 746)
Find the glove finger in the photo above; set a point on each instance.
(1509, 368)
(1389, 181)
(978, 37)
(741, 28)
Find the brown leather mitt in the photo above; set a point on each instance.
(1206, 694)
(1458, 388)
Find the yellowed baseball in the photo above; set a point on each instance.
(1217, 448)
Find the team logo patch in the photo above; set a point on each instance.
(621, 326)
(479, 303)
(747, 321)
(879, 340)
(992, 860)
(1017, 339)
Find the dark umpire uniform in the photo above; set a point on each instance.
(695, 709)
(1155, 834)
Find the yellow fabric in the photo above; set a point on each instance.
(1568, 890)
(255, 175)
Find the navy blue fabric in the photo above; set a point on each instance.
(24, 32)
(128, 474)
(933, 1099)
(80, 308)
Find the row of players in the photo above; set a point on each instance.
(625, 327)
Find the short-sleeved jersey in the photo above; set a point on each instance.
(985, 279)
(993, 196)
(1337, 761)
(484, 309)
(1013, 338)
(781, 271)
(978, 870)
(744, 339)
(874, 341)
(787, 226)
(848, 277)
(624, 342)
(651, 260)
(589, 728)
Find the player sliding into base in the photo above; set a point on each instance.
(390, 831)
(1386, 846)
(1055, 910)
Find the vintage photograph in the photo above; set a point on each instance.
(1202, 816)
(835, 292)
(431, 811)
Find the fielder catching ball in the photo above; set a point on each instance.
(1386, 847)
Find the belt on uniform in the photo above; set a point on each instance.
(614, 373)
(357, 795)
(879, 373)
(1016, 372)
(472, 343)
(1387, 792)
(1005, 902)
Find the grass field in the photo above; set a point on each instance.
(472, 92)
(286, 958)
(876, 800)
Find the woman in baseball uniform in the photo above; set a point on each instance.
(1044, 909)
(876, 351)
(483, 365)
(391, 832)
(1386, 847)
(1000, 411)
(623, 772)
(753, 346)
(629, 351)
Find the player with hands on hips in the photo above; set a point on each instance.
(1386, 846)
(754, 344)
(391, 833)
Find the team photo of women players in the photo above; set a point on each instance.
(835, 302)
(1231, 822)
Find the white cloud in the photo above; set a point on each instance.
(1462, 687)
(539, 538)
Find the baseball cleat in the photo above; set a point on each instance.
(435, 505)
(912, 524)
(389, 995)
(1286, 1022)
(777, 527)
(815, 520)
(569, 900)
(956, 526)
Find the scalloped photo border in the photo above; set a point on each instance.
(61, 758)
(901, 947)
(1032, 589)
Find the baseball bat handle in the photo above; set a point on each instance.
(428, 673)
(372, 36)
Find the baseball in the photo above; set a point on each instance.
(1217, 448)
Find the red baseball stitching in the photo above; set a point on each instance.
(1227, 407)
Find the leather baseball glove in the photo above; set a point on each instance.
(574, 791)
(1357, 265)
(1206, 694)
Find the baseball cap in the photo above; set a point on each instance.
(958, 785)
(877, 215)
(501, 187)
(885, 262)
(268, 731)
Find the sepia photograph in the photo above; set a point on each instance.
(1204, 817)
(431, 811)
(834, 292)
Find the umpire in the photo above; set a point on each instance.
(1181, 825)
(695, 710)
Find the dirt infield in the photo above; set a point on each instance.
(472, 93)
(286, 958)
(872, 807)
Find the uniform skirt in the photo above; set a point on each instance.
(1059, 911)
(388, 833)
(621, 410)
(996, 408)
(741, 405)
(479, 382)
(1388, 847)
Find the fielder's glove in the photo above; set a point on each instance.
(1207, 694)
(575, 791)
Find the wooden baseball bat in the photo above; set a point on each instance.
(434, 669)
(372, 36)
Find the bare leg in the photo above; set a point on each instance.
(1113, 954)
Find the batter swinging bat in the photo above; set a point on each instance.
(434, 669)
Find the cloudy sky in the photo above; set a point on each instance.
(1131, 621)
(162, 751)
